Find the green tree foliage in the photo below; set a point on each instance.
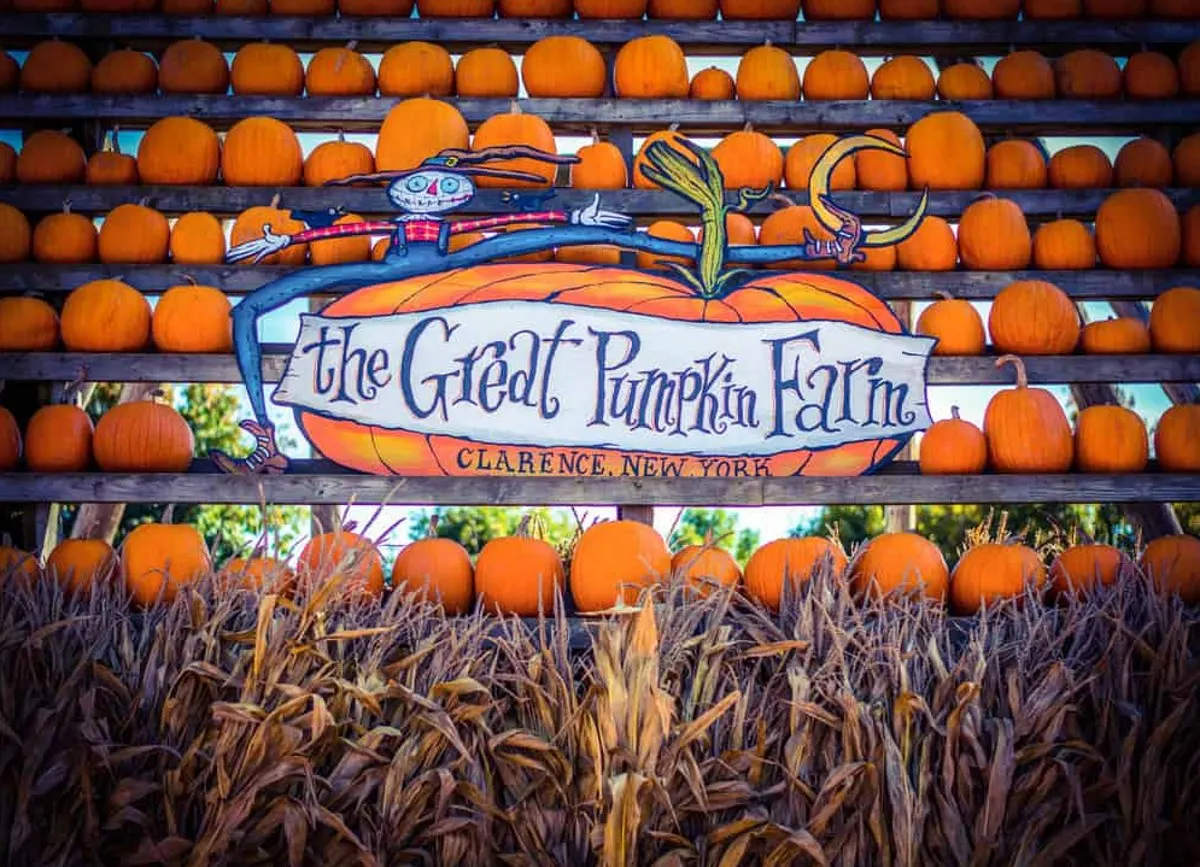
(474, 527)
(697, 525)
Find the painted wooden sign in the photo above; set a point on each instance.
(444, 361)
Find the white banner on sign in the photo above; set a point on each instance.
(557, 375)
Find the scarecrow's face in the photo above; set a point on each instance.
(430, 192)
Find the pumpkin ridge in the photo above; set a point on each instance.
(830, 291)
(378, 454)
(737, 313)
(438, 279)
(681, 292)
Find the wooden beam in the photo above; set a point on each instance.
(366, 113)
(942, 370)
(325, 484)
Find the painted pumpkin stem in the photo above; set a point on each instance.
(1019, 365)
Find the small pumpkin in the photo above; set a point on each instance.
(993, 236)
(158, 559)
(1150, 75)
(249, 224)
(1015, 164)
(614, 561)
(1123, 335)
(802, 158)
(438, 570)
(712, 84)
(705, 567)
(1186, 159)
(27, 325)
(518, 575)
(1080, 167)
(788, 225)
(193, 66)
(517, 128)
(1083, 567)
(1175, 321)
(611, 8)
(58, 439)
(1110, 439)
(879, 171)
(134, 234)
(416, 69)
(261, 152)
(747, 158)
(601, 166)
(335, 160)
(964, 81)
(18, 564)
(903, 77)
(81, 564)
(673, 139)
(980, 10)
(1087, 74)
(953, 446)
(197, 239)
(105, 316)
(1023, 75)
(1143, 162)
(564, 67)
(946, 152)
(417, 129)
(991, 573)
(54, 66)
(1064, 245)
(1173, 564)
(668, 230)
(955, 323)
(143, 436)
(759, 10)
(110, 167)
(51, 157)
(897, 563)
(767, 72)
(192, 318)
(908, 10)
(839, 10)
(650, 67)
(179, 151)
(1138, 229)
(125, 71)
(1026, 428)
(264, 574)
(789, 561)
(339, 71)
(16, 238)
(10, 448)
(1177, 439)
(932, 247)
(344, 554)
(335, 251)
(836, 75)
(486, 73)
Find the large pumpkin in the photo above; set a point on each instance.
(1023, 75)
(964, 81)
(517, 128)
(993, 236)
(486, 73)
(1064, 245)
(16, 238)
(904, 77)
(992, 572)
(106, 316)
(27, 325)
(343, 554)
(651, 67)
(1177, 439)
(81, 564)
(748, 158)
(898, 563)
(932, 247)
(125, 71)
(1082, 567)
(956, 324)
(10, 442)
(1150, 75)
(1033, 317)
(1026, 428)
(1175, 321)
(946, 152)
(952, 446)
(437, 570)
(266, 69)
(755, 10)
(601, 166)
(197, 238)
(1124, 335)
(261, 152)
(788, 562)
(1138, 229)
(836, 75)
(1087, 74)
(134, 234)
(875, 170)
(614, 561)
(1110, 439)
(1080, 167)
(158, 559)
(56, 67)
(802, 158)
(51, 157)
(564, 67)
(416, 69)
(1173, 563)
(179, 151)
(1143, 162)
(193, 66)
(518, 575)
(417, 129)
(58, 439)
(1015, 164)
(192, 318)
(143, 436)
(712, 84)
(767, 72)
(339, 71)
(335, 160)
(768, 297)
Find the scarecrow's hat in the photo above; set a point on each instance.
(469, 163)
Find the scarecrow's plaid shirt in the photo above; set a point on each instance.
(425, 229)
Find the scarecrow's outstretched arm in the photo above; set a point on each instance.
(271, 243)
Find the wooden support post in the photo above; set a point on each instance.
(322, 518)
(902, 519)
(641, 514)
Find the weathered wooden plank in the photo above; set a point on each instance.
(900, 486)
(950, 37)
(161, 367)
(54, 280)
(582, 114)
(640, 203)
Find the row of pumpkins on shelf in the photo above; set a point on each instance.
(737, 10)
(648, 67)
(612, 563)
(1025, 430)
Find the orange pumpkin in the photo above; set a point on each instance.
(58, 439)
(377, 8)
(589, 254)
(1150, 75)
(668, 230)
(1177, 439)
(1080, 167)
(993, 236)
(191, 8)
(417, 129)
(261, 152)
(1110, 439)
(437, 570)
(792, 561)
(748, 158)
(1083, 567)
(1143, 162)
(416, 69)
(932, 247)
(713, 84)
(10, 73)
(81, 564)
(1015, 164)
(908, 10)
(1124, 335)
(125, 71)
(650, 67)
(1190, 237)
(486, 73)
(614, 561)
(344, 554)
(874, 170)
(335, 160)
(335, 251)
(456, 8)
(311, 8)
(1186, 159)
(8, 163)
(517, 128)
(980, 10)
(1189, 69)
(10, 446)
(197, 239)
(535, 8)
(193, 66)
(838, 10)
(266, 69)
(757, 10)
(683, 10)
(1087, 74)
(876, 259)
(179, 151)
(158, 559)
(993, 572)
(564, 67)
(904, 77)
(1026, 428)
(946, 152)
(802, 158)
(1183, 10)
(143, 436)
(964, 81)
(339, 71)
(105, 316)
(767, 72)
(56, 67)
(1052, 10)
(705, 567)
(263, 574)
(952, 446)
(1175, 321)
(1138, 229)
(18, 564)
(16, 238)
(836, 75)
(899, 563)
(1173, 563)
(610, 8)
(192, 318)
(1126, 9)
(601, 166)
(249, 225)
(51, 157)
(787, 226)
(673, 139)
(956, 324)
(27, 325)
(518, 576)
(134, 234)
(1064, 245)
(111, 168)
(1023, 75)
(242, 8)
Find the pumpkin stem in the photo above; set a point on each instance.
(523, 526)
(954, 413)
(70, 389)
(514, 107)
(781, 199)
(116, 138)
(66, 206)
(191, 280)
(943, 294)
(275, 199)
(341, 135)
(433, 525)
(595, 135)
(144, 201)
(1019, 365)
(749, 127)
(168, 514)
